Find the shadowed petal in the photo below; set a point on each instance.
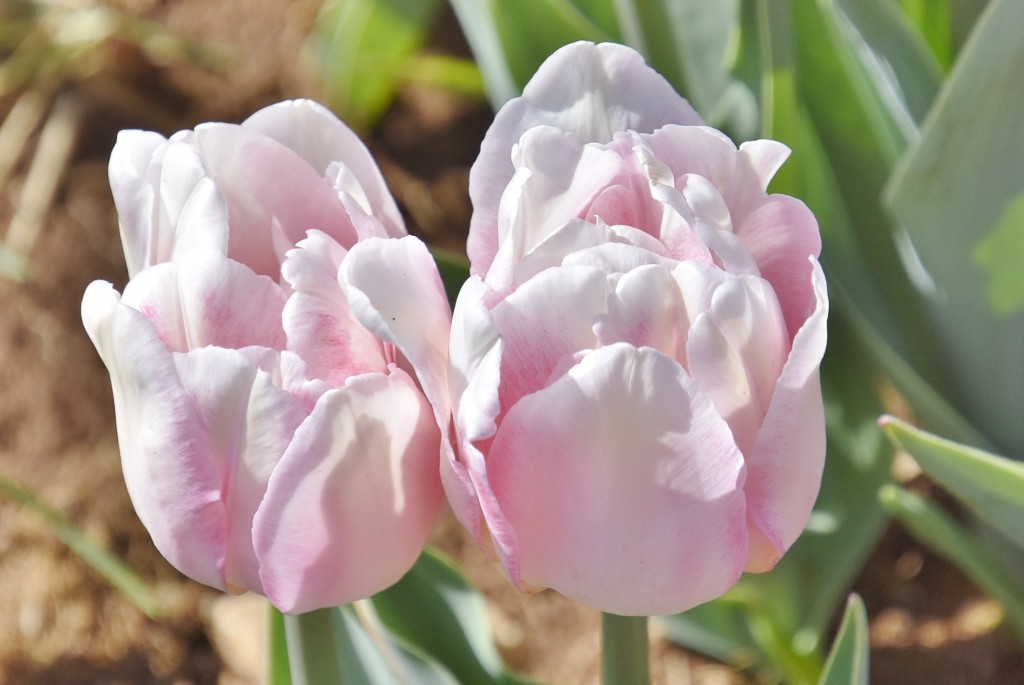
(352, 501)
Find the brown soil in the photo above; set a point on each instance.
(61, 623)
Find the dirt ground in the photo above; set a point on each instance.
(61, 623)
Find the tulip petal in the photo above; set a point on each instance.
(312, 132)
(321, 327)
(351, 503)
(260, 180)
(559, 179)
(543, 323)
(781, 233)
(785, 465)
(209, 300)
(173, 478)
(589, 90)
(474, 363)
(395, 291)
(623, 486)
(646, 310)
(736, 351)
(248, 423)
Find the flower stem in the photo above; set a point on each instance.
(311, 649)
(625, 652)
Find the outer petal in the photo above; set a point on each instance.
(312, 132)
(784, 469)
(623, 486)
(173, 479)
(248, 423)
(781, 233)
(351, 503)
(589, 90)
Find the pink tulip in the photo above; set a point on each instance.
(278, 358)
(634, 364)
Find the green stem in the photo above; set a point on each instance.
(625, 652)
(312, 653)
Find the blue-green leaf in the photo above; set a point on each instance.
(365, 51)
(949, 193)
(993, 487)
(433, 608)
(848, 662)
(349, 646)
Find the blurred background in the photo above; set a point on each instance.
(906, 118)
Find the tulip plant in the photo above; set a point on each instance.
(627, 401)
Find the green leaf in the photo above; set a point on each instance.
(101, 560)
(349, 646)
(993, 487)
(434, 609)
(479, 25)
(550, 24)
(950, 540)
(950, 191)
(450, 73)
(278, 666)
(1000, 254)
(848, 661)
(694, 44)
(934, 22)
(365, 51)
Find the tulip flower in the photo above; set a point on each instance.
(634, 363)
(278, 358)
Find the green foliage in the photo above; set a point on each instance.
(367, 49)
(427, 629)
(848, 662)
(955, 194)
(993, 487)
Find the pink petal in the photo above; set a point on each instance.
(589, 90)
(623, 487)
(736, 351)
(473, 379)
(248, 423)
(320, 325)
(209, 300)
(129, 172)
(781, 233)
(547, 320)
(559, 181)
(312, 132)
(172, 476)
(784, 468)
(352, 501)
(394, 290)
(263, 181)
(646, 310)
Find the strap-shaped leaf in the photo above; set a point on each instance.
(991, 486)
(848, 662)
